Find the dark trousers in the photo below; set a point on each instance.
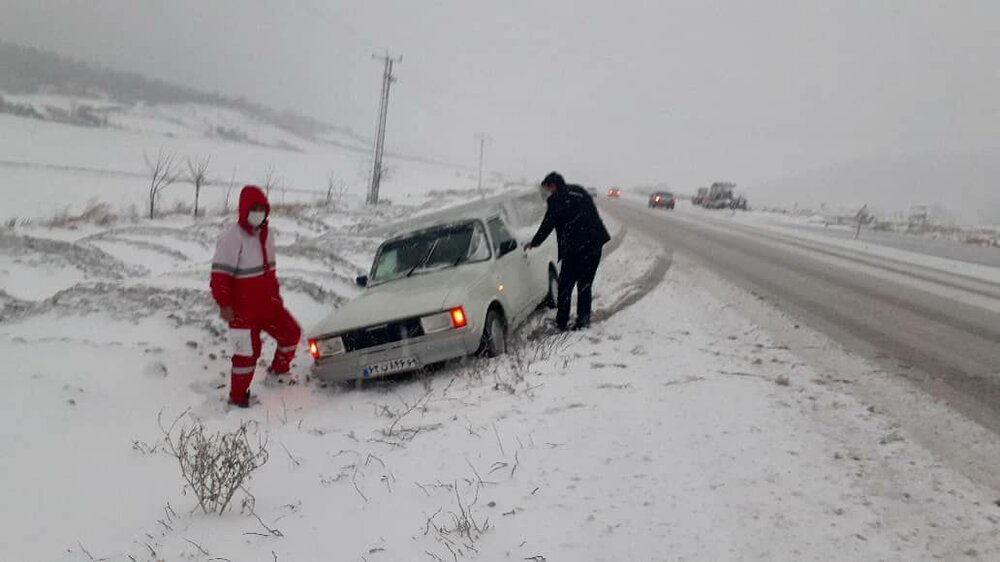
(578, 271)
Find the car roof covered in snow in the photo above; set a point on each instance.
(480, 209)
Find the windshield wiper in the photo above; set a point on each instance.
(423, 262)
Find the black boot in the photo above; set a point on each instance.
(245, 403)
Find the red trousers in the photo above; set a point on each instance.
(245, 336)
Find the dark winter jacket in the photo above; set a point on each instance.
(573, 215)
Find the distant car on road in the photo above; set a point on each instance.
(614, 192)
(662, 199)
(434, 294)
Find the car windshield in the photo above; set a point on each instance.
(447, 246)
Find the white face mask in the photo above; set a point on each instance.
(256, 218)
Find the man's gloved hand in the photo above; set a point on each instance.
(528, 245)
(227, 313)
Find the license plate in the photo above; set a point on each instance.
(390, 367)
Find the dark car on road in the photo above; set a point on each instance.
(614, 192)
(662, 199)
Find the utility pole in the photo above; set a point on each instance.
(482, 137)
(387, 80)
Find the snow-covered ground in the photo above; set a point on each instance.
(674, 429)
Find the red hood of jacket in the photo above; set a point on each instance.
(250, 196)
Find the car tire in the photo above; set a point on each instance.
(494, 340)
(350, 384)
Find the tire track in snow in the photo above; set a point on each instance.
(143, 245)
(92, 261)
(635, 291)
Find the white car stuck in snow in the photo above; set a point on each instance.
(441, 292)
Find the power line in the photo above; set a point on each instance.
(387, 80)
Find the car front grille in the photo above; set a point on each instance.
(382, 334)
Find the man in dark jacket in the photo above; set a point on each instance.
(581, 235)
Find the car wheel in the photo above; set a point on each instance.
(494, 342)
(350, 384)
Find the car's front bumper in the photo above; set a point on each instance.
(430, 349)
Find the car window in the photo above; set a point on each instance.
(479, 246)
(387, 264)
(499, 233)
(432, 249)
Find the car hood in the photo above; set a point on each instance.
(403, 298)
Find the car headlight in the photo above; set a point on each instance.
(433, 323)
(326, 346)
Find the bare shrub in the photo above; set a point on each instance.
(509, 372)
(214, 465)
(335, 189)
(464, 529)
(94, 213)
(230, 185)
(291, 210)
(163, 172)
(396, 433)
(197, 175)
(271, 180)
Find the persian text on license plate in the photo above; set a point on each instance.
(393, 366)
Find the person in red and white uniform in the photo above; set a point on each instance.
(245, 287)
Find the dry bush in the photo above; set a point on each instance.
(509, 372)
(463, 529)
(396, 433)
(296, 210)
(163, 171)
(215, 465)
(180, 208)
(335, 190)
(94, 213)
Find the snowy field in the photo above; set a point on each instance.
(674, 429)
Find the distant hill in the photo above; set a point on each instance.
(26, 70)
(962, 186)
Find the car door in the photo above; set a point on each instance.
(513, 271)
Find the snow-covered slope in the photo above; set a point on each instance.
(47, 166)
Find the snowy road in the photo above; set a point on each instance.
(939, 331)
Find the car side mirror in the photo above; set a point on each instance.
(507, 246)
(361, 280)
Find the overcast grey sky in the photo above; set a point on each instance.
(608, 92)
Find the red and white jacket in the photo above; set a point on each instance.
(243, 275)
